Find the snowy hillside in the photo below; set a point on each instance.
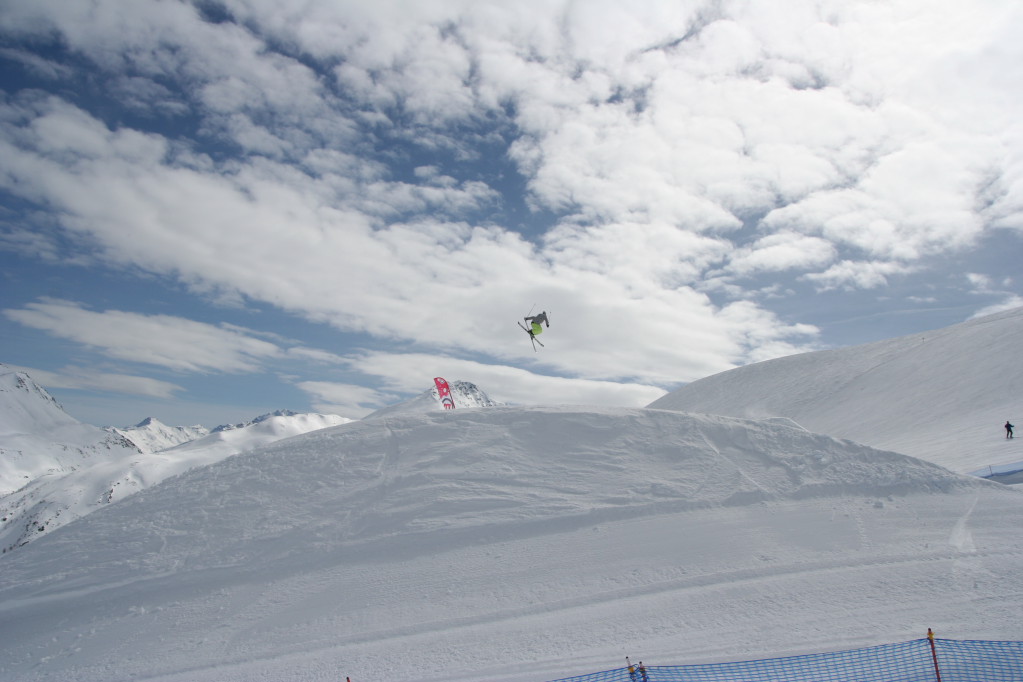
(152, 435)
(59, 497)
(941, 395)
(464, 393)
(519, 544)
(38, 438)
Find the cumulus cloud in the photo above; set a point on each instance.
(856, 275)
(782, 251)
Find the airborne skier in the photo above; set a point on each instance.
(535, 321)
(536, 325)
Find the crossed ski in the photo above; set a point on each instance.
(531, 336)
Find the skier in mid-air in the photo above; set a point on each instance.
(535, 321)
(535, 328)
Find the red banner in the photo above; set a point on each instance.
(444, 391)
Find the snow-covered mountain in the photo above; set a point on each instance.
(514, 544)
(464, 393)
(224, 441)
(257, 420)
(941, 395)
(50, 501)
(152, 435)
(37, 437)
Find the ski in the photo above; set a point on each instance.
(531, 337)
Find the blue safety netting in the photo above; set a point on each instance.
(979, 661)
(914, 661)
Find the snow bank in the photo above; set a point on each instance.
(941, 395)
(513, 544)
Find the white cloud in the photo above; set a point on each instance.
(782, 251)
(348, 400)
(859, 275)
(766, 338)
(47, 68)
(162, 340)
(316, 355)
(979, 281)
(31, 243)
(1011, 302)
(983, 285)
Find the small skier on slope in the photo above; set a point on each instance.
(1008, 430)
(535, 322)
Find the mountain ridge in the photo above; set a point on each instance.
(37, 437)
(61, 495)
(151, 435)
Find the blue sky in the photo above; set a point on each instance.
(212, 210)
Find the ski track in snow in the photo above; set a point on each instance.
(961, 538)
(647, 598)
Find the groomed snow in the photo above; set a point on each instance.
(507, 544)
(941, 395)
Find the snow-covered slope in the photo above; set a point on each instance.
(464, 393)
(53, 500)
(941, 395)
(514, 544)
(152, 435)
(38, 438)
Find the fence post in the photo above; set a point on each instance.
(934, 655)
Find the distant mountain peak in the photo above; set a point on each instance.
(468, 394)
(465, 394)
(152, 435)
(39, 437)
(257, 420)
(276, 413)
(11, 379)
